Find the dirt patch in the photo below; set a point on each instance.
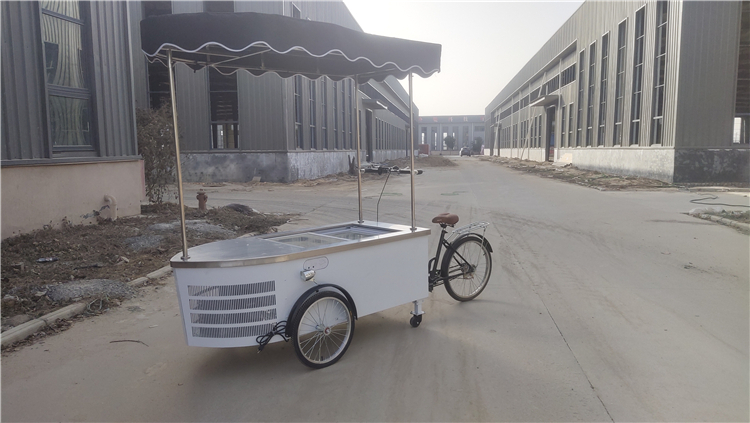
(123, 250)
(589, 178)
(420, 162)
(738, 216)
(734, 215)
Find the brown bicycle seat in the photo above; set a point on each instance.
(446, 218)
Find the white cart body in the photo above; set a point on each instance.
(233, 291)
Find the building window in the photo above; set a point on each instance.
(603, 90)
(352, 141)
(532, 141)
(324, 118)
(539, 131)
(343, 114)
(569, 75)
(660, 66)
(562, 126)
(635, 103)
(218, 6)
(592, 88)
(224, 109)
(741, 133)
(377, 134)
(335, 116)
(570, 124)
(158, 74)
(622, 46)
(298, 136)
(581, 85)
(67, 75)
(313, 99)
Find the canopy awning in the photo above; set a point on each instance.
(260, 43)
(545, 100)
(373, 104)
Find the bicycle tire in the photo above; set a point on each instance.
(323, 329)
(466, 268)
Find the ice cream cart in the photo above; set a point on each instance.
(302, 285)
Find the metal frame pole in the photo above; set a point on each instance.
(410, 141)
(185, 256)
(359, 163)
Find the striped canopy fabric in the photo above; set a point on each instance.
(260, 43)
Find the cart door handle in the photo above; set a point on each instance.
(307, 275)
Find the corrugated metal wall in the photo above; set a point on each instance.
(710, 39)
(261, 107)
(24, 134)
(711, 27)
(140, 78)
(192, 96)
(113, 101)
(266, 103)
(23, 91)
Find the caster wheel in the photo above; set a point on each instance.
(415, 321)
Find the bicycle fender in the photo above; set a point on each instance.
(316, 288)
(484, 240)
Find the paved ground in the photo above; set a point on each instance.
(602, 306)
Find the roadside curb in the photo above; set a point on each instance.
(27, 329)
(728, 222)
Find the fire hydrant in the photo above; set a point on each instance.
(202, 199)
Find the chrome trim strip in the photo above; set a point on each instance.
(403, 232)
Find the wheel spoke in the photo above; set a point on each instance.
(468, 271)
(326, 314)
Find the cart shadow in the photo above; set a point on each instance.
(390, 327)
(463, 347)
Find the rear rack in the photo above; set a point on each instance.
(471, 227)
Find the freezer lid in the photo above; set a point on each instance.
(286, 246)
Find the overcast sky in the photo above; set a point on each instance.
(485, 43)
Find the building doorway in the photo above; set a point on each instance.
(550, 132)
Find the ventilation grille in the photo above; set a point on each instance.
(231, 290)
(231, 311)
(232, 332)
(233, 318)
(236, 304)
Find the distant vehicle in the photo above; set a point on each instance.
(466, 151)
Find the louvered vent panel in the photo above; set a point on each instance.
(231, 290)
(233, 318)
(231, 332)
(235, 304)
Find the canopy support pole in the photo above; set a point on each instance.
(185, 256)
(359, 163)
(410, 143)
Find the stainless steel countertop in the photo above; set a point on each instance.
(263, 249)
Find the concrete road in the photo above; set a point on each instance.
(602, 306)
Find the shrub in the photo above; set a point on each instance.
(156, 145)
(450, 142)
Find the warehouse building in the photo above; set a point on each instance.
(73, 74)
(240, 126)
(649, 88)
(464, 129)
(69, 148)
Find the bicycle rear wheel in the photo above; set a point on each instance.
(466, 268)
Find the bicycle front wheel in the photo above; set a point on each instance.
(466, 268)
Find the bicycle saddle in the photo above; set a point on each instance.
(446, 218)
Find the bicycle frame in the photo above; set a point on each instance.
(435, 278)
